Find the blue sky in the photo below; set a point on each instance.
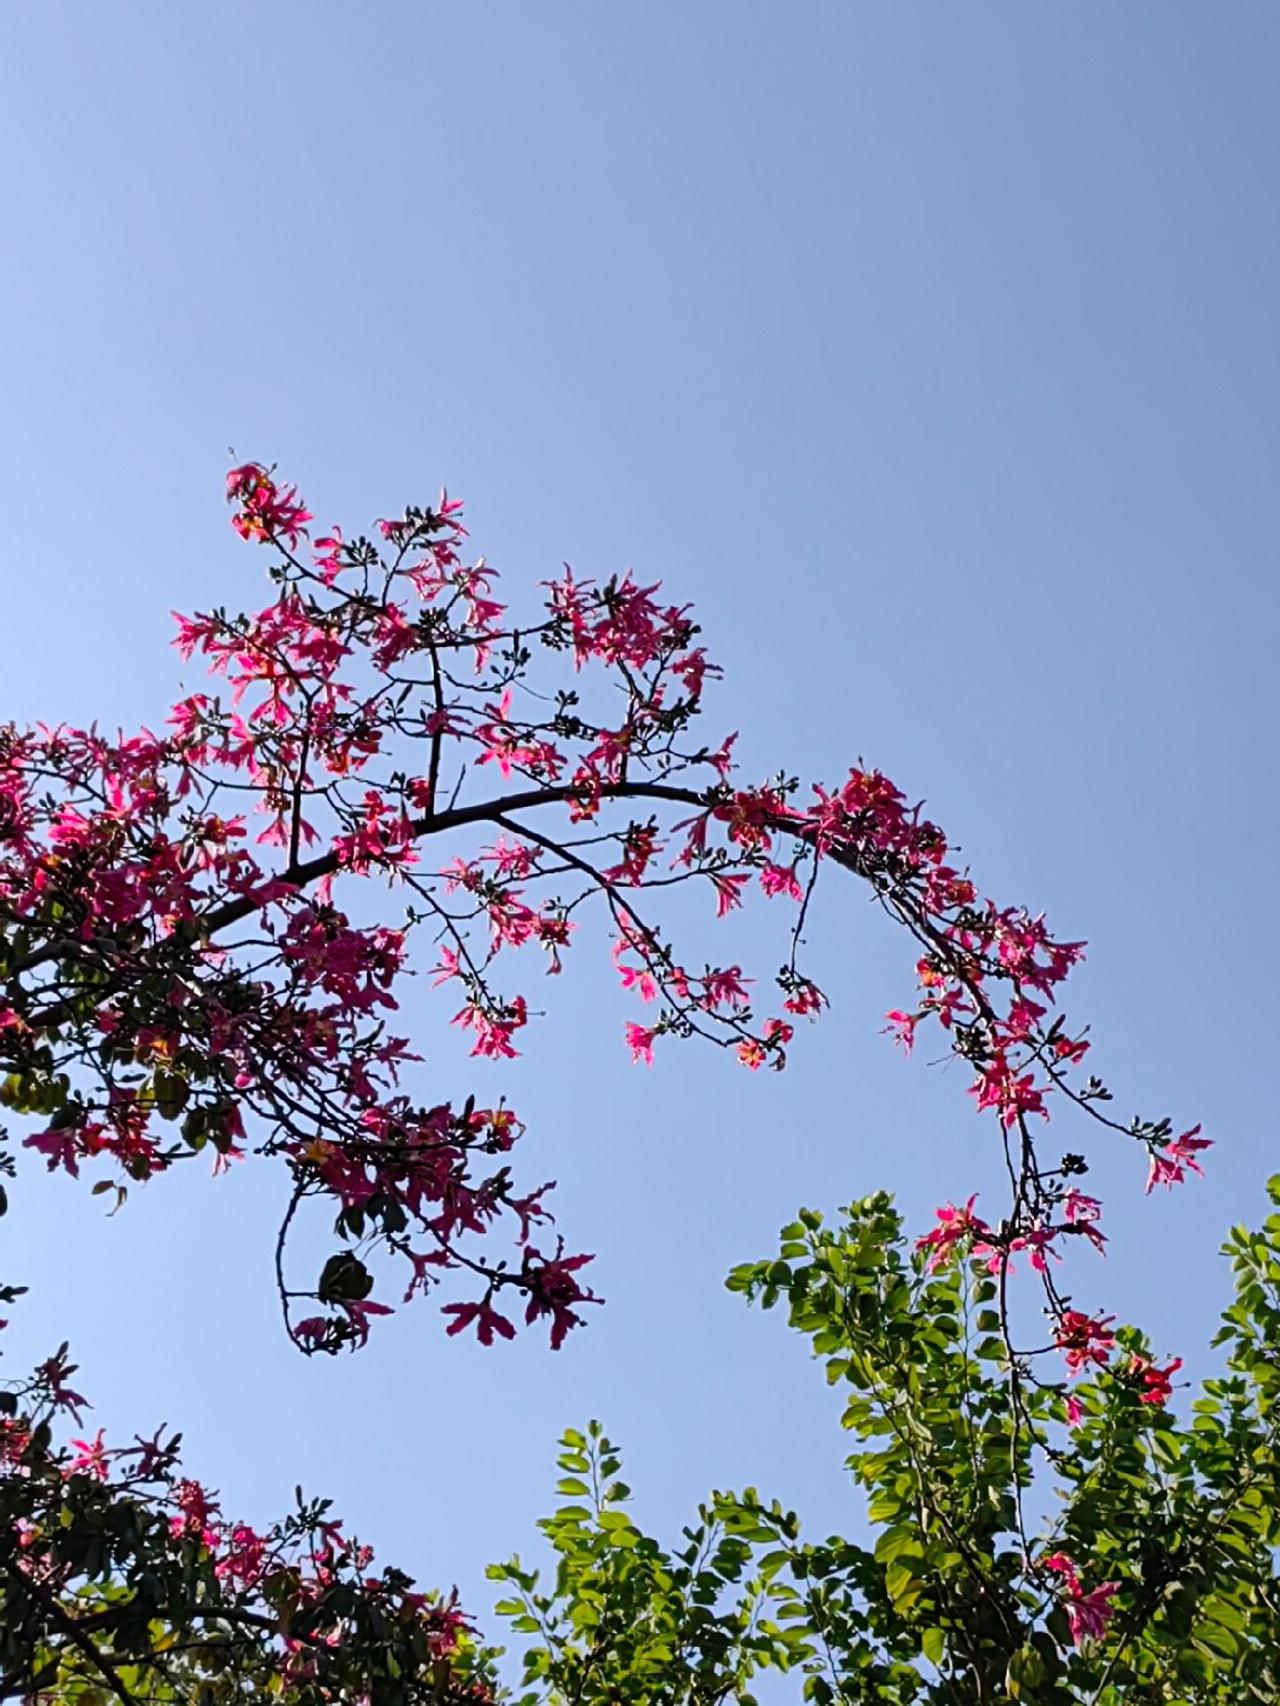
(932, 352)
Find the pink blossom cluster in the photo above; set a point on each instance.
(183, 976)
(1087, 1613)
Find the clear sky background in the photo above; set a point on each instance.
(932, 351)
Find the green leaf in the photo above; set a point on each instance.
(344, 1277)
(1026, 1670)
(903, 1586)
(1220, 1610)
(898, 1543)
(1195, 1666)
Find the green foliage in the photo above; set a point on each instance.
(626, 1619)
(971, 1482)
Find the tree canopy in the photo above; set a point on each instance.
(188, 971)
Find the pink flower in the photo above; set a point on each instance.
(329, 556)
(728, 892)
(266, 510)
(1170, 1168)
(1155, 1383)
(998, 1087)
(315, 1331)
(1024, 1015)
(358, 1312)
(197, 1509)
(243, 1561)
(58, 1147)
(494, 1027)
(1085, 1339)
(91, 1457)
(903, 1028)
(553, 1289)
(750, 816)
(1082, 1212)
(483, 1315)
(722, 757)
(780, 879)
(509, 750)
(955, 1225)
(725, 988)
(1039, 1241)
(553, 930)
(692, 669)
(639, 978)
(54, 1372)
(639, 846)
(1087, 1613)
(1067, 1049)
(804, 998)
(640, 1042)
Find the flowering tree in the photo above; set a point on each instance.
(183, 973)
(1149, 1575)
(962, 1597)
